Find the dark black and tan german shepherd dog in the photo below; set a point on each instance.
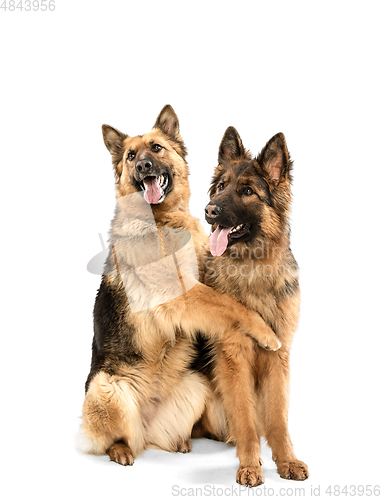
(142, 389)
(249, 211)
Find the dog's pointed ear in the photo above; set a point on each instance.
(274, 159)
(113, 140)
(168, 122)
(231, 147)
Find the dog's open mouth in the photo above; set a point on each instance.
(155, 188)
(223, 236)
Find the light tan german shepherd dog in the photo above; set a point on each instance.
(142, 390)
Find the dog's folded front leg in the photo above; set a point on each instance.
(204, 309)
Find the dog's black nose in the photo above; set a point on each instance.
(212, 211)
(143, 166)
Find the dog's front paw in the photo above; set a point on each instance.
(263, 334)
(296, 470)
(121, 454)
(250, 476)
(270, 342)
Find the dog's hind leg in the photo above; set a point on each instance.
(172, 421)
(213, 423)
(111, 419)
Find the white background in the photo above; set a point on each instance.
(309, 69)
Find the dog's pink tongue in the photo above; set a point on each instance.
(152, 191)
(219, 240)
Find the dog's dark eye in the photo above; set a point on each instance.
(156, 148)
(131, 155)
(220, 186)
(248, 191)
